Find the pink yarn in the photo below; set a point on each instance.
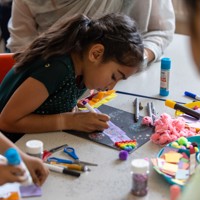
(168, 130)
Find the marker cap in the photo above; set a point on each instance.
(189, 94)
(170, 103)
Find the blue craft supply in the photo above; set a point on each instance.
(194, 96)
(164, 76)
(14, 158)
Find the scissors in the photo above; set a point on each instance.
(71, 152)
(47, 153)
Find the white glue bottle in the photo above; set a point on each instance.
(34, 148)
(164, 76)
(14, 158)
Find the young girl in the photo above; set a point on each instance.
(41, 90)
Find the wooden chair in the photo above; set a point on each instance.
(6, 63)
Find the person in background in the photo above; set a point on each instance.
(155, 19)
(39, 93)
(5, 13)
(191, 189)
(9, 174)
(193, 8)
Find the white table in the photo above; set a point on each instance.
(183, 75)
(111, 180)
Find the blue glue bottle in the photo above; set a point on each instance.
(14, 158)
(164, 76)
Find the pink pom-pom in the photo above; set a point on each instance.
(147, 121)
(123, 155)
(168, 130)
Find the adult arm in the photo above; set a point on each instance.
(160, 28)
(22, 26)
(156, 22)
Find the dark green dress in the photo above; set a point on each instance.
(58, 76)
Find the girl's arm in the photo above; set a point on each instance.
(17, 114)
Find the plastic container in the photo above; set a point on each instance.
(140, 174)
(34, 148)
(14, 158)
(164, 76)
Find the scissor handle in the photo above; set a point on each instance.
(59, 160)
(46, 154)
(71, 152)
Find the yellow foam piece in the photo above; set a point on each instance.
(102, 97)
(173, 157)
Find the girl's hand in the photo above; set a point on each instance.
(89, 122)
(10, 174)
(37, 169)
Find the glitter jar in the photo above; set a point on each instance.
(140, 173)
(34, 148)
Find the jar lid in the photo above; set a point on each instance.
(34, 147)
(140, 166)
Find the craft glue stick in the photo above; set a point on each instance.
(164, 76)
(14, 158)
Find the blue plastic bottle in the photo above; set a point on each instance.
(14, 158)
(164, 76)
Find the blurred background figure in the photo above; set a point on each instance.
(155, 19)
(5, 13)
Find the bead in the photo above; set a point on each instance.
(182, 141)
(123, 155)
(196, 149)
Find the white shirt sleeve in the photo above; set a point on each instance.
(22, 26)
(156, 22)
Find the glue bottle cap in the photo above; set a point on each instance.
(34, 147)
(12, 156)
(165, 63)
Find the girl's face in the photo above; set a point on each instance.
(195, 39)
(102, 75)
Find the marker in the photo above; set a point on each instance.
(183, 109)
(136, 110)
(83, 168)
(63, 170)
(194, 96)
(88, 106)
(149, 109)
(153, 112)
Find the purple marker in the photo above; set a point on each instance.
(88, 106)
